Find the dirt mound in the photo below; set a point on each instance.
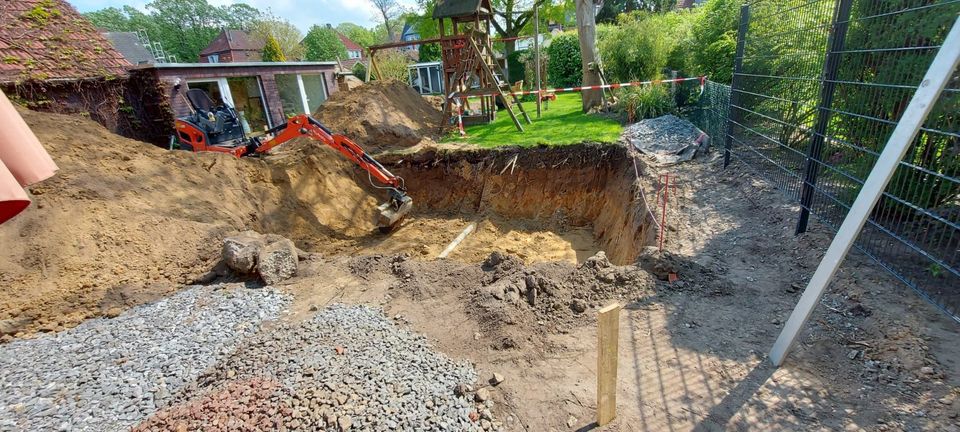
(381, 115)
(514, 302)
(124, 222)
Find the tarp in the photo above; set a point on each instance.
(23, 161)
(667, 139)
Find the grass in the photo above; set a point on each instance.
(562, 124)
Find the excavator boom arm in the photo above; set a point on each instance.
(304, 125)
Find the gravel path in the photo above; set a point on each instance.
(109, 374)
(347, 368)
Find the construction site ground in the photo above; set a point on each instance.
(125, 241)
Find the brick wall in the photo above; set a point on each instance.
(181, 107)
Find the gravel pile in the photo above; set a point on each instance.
(350, 368)
(109, 374)
(667, 139)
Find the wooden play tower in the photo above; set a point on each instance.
(470, 69)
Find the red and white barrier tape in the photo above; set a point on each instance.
(702, 79)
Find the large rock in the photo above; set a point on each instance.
(277, 261)
(240, 252)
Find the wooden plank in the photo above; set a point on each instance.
(608, 332)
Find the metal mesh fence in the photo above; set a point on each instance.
(818, 88)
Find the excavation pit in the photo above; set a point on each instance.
(541, 204)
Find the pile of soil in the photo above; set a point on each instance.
(125, 222)
(381, 115)
(516, 303)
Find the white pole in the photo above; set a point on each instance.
(466, 231)
(923, 100)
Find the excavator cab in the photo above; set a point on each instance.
(210, 125)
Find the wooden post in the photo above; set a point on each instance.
(536, 50)
(608, 331)
(939, 73)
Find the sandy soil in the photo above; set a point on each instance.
(381, 115)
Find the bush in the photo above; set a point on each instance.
(564, 68)
(360, 71)
(646, 102)
(516, 69)
(645, 44)
(429, 52)
(393, 65)
(529, 60)
(713, 40)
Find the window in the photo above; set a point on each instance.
(354, 54)
(301, 93)
(244, 94)
(425, 78)
(213, 58)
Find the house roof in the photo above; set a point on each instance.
(128, 43)
(49, 40)
(459, 8)
(232, 40)
(351, 45)
(238, 65)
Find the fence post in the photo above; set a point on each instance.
(831, 65)
(737, 67)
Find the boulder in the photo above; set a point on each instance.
(240, 252)
(277, 261)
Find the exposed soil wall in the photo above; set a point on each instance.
(585, 185)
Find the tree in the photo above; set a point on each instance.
(362, 36)
(183, 27)
(323, 44)
(511, 17)
(389, 10)
(429, 52)
(272, 51)
(287, 35)
(587, 28)
(240, 16)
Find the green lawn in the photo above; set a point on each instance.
(562, 124)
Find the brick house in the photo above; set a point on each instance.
(232, 46)
(354, 52)
(266, 93)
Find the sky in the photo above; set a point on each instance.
(302, 13)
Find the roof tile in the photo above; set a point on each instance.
(49, 39)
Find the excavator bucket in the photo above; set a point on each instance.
(392, 212)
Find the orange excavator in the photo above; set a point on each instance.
(219, 129)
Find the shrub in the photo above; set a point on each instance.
(360, 71)
(645, 102)
(645, 44)
(713, 40)
(516, 69)
(393, 65)
(429, 52)
(564, 68)
(529, 60)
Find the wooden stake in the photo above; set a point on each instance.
(608, 331)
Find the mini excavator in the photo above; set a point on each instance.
(219, 129)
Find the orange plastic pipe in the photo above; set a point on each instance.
(23, 161)
(20, 150)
